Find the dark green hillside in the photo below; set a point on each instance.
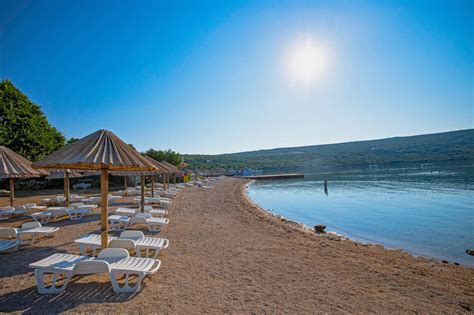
(446, 146)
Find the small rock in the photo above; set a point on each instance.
(457, 264)
(320, 228)
(470, 252)
(445, 261)
(465, 306)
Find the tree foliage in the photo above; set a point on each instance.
(23, 126)
(71, 140)
(169, 156)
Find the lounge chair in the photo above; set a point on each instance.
(126, 212)
(155, 212)
(144, 246)
(35, 229)
(113, 261)
(120, 223)
(19, 210)
(33, 206)
(154, 224)
(9, 239)
(6, 213)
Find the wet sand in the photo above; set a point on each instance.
(227, 255)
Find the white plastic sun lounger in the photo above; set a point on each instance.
(150, 246)
(126, 212)
(154, 224)
(6, 213)
(12, 241)
(155, 212)
(113, 261)
(33, 206)
(35, 229)
(118, 222)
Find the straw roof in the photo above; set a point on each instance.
(173, 169)
(162, 169)
(99, 150)
(13, 165)
(60, 174)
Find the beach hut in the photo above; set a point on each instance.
(101, 150)
(13, 165)
(64, 174)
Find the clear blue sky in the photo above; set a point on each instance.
(212, 76)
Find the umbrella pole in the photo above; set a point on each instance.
(66, 188)
(152, 185)
(125, 184)
(164, 181)
(12, 192)
(142, 201)
(104, 188)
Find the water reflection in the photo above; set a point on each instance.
(426, 213)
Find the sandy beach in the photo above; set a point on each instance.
(228, 256)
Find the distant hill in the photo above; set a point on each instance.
(454, 146)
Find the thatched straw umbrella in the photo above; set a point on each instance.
(173, 169)
(13, 165)
(101, 150)
(65, 174)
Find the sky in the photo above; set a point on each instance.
(228, 76)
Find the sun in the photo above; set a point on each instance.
(306, 61)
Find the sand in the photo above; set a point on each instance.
(228, 256)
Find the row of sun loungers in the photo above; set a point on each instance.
(114, 260)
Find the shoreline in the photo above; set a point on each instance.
(331, 234)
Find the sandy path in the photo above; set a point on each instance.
(228, 256)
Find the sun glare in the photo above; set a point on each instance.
(306, 62)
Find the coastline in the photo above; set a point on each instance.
(228, 255)
(332, 234)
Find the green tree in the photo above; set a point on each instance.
(23, 126)
(169, 156)
(71, 140)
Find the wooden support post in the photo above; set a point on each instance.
(164, 181)
(66, 188)
(104, 188)
(125, 184)
(142, 201)
(12, 192)
(152, 185)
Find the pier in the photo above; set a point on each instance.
(275, 176)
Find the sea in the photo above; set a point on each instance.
(424, 210)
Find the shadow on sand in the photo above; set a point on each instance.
(31, 302)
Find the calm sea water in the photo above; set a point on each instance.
(427, 212)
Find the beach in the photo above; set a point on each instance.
(226, 255)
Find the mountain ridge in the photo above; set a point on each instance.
(455, 145)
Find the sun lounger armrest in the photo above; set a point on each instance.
(156, 267)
